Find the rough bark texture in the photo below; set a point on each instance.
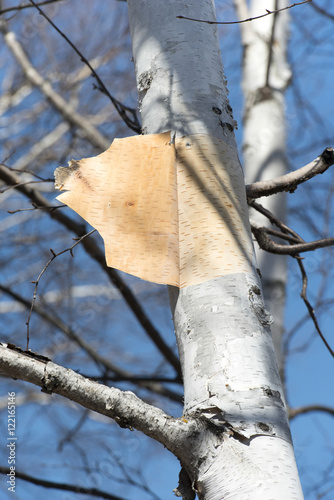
(231, 378)
(124, 407)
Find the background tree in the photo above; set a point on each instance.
(81, 312)
(266, 75)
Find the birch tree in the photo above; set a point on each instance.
(223, 319)
(266, 75)
(217, 305)
(233, 439)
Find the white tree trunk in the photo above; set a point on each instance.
(266, 75)
(229, 368)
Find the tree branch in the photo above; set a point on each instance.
(64, 108)
(270, 246)
(268, 13)
(310, 307)
(301, 410)
(322, 11)
(274, 232)
(148, 383)
(290, 181)
(124, 407)
(61, 486)
(260, 232)
(128, 115)
(44, 144)
(261, 235)
(274, 220)
(36, 282)
(27, 6)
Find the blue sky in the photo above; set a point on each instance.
(310, 369)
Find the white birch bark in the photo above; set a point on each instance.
(266, 75)
(229, 368)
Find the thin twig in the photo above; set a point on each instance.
(71, 433)
(24, 184)
(124, 111)
(302, 243)
(309, 306)
(64, 107)
(96, 254)
(25, 171)
(301, 410)
(153, 383)
(274, 220)
(268, 13)
(36, 282)
(322, 11)
(27, 6)
(61, 486)
(36, 207)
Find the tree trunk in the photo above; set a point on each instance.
(266, 75)
(230, 373)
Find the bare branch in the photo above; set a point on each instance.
(35, 207)
(150, 383)
(277, 234)
(309, 306)
(61, 486)
(128, 115)
(295, 412)
(261, 235)
(322, 11)
(289, 182)
(23, 184)
(36, 283)
(64, 107)
(44, 144)
(31, 172)
(26, 6)
(267, 244)
(274, 220)
(268, 13)
(124, 407)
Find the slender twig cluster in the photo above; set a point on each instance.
(268, 13)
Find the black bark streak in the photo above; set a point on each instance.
(29, 353)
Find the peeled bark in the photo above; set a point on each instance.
(164, 206)
(230, 373)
